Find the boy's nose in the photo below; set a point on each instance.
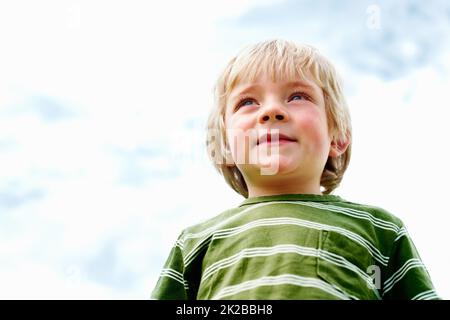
(272, 114)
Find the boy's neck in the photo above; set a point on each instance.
(282, 188)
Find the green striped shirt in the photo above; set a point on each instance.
(296, 246)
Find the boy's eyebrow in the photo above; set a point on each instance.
(292, 84)
(305, 84)
(244, 91)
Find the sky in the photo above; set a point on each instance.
(103, 108)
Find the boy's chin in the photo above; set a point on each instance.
(276, 165)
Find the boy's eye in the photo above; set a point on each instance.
(299, 96)
(246, 102)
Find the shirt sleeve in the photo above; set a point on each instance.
(171, 284)
(406, 276)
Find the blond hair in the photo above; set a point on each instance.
(281, 60)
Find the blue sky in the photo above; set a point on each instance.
(103, 108)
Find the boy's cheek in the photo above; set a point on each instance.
(240, 142)
(239, 123)
(314, 130)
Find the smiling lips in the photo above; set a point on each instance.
(273, 138)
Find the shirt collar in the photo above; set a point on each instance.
(293, 197)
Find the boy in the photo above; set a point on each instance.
(280, 135)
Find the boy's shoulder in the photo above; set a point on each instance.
(212, 222)
(375, 211)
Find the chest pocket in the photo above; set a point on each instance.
(346, 265)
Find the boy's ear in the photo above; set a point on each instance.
(338, 147)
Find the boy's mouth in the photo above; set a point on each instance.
(273, 138)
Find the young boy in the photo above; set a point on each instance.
(280, 135)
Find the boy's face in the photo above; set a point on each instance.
(255, 112)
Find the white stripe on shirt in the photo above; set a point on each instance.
(285, 279)
(288, 248)
(283, 221)
(400, 273)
